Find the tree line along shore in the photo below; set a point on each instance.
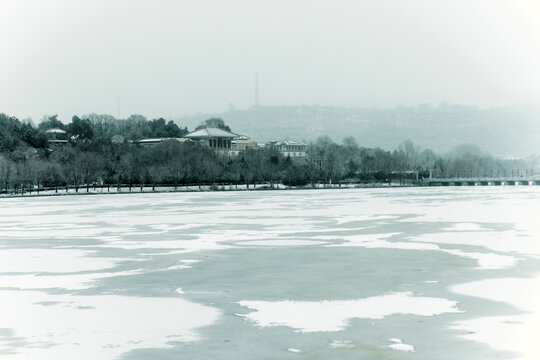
(103, 152)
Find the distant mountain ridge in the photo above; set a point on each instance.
(507, 132)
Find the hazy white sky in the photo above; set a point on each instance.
(169, 58)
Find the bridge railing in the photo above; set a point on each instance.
(486, 175)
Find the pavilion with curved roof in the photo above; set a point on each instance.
(215, 138)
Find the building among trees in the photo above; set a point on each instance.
(292, 149)
(242, 143)
(56, 136)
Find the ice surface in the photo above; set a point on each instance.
(68, 264)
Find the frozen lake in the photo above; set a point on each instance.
(409, 273)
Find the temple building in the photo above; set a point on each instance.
(214, 138)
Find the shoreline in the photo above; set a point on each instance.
(101, 190)
(196, 188)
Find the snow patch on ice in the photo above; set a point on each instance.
(486, 260)
(464, 227)
(399, 345)
(516, 333)
(178, 246)
(342, 344)
(383, 244)
(281, 243)
(67, 282)
(348, 219)
(334, 315)
(52, 260)
(190, 261)
(502, 241)
(96, 327)
(361, 238)
(176, 267)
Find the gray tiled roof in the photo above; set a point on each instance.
(55, 131)
(210, 133)
(285, 142)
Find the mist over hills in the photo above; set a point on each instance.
(505, 132)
